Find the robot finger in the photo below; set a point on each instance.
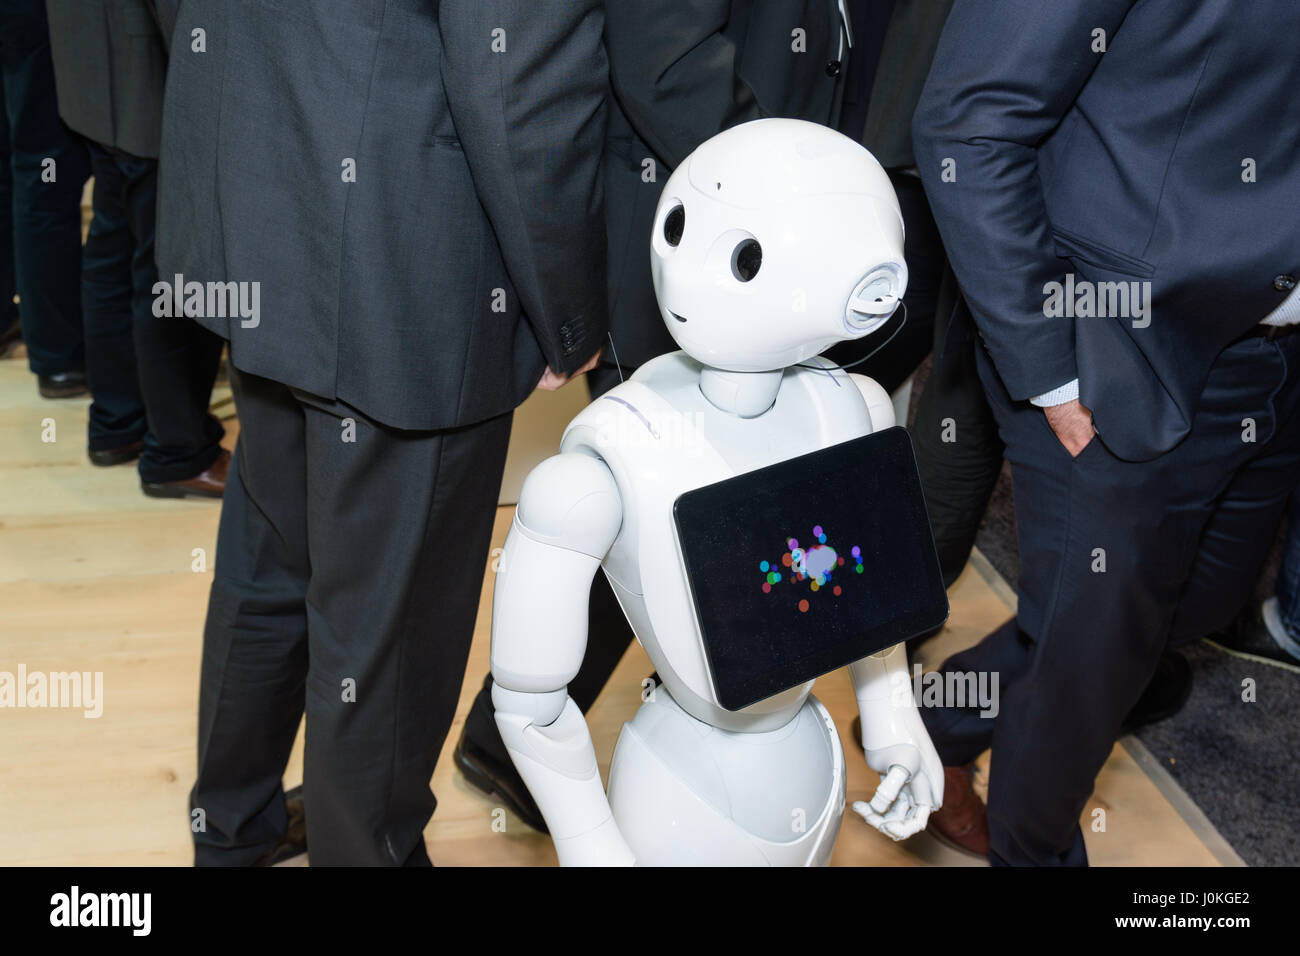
(922, 792)
(863, 809)
(903, 804)
(912, 825)
(899, 813)
(889, 788)
(922, 818)
(896, 823)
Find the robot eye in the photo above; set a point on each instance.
(674, 224)
(746, 260)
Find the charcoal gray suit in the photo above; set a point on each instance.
(475, 171)
(109, 65)
(415, 185)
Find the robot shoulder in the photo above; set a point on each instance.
(879, 404)
(636, 412)
(841, 395)
(571, 499)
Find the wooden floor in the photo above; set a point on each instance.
(96, 577)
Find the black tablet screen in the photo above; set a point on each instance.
(807, 565)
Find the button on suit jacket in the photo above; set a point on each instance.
(431, 286)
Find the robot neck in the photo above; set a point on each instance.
(745, 394)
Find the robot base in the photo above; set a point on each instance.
(685, 793)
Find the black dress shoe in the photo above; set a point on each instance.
(116, 456)
(1164, 696)
(62, 385)
(295, 834)
(487, 773)
(1249, 637)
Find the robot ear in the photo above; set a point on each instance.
(875, 298)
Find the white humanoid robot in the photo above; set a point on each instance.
(772, 241)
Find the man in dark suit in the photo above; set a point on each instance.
(681, 72)
(1115, 183)
(415, 188)
(894, 42)
(43, 167)
(150, 376)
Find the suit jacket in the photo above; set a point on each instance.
(431, 286)
(909, 44)
(1128, 165)
(683, 71)
(109, 68)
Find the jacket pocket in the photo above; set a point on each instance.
(1071, 246)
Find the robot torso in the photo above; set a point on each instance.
(660, 437)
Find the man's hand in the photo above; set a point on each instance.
(551, 380)
(1072, 423)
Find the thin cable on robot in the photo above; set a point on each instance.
(829, 368)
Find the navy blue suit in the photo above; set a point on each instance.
(1118, 166)
(1173, 157)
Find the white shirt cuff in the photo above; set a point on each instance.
(1057, 396)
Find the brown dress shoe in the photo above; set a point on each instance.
(207, 484)
(962, 822)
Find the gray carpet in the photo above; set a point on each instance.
(1237, 761)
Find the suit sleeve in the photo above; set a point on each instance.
(674, 72)
(1005, 73)
(526, 82)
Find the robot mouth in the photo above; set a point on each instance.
(676, 316)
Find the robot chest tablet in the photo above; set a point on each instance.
(807, 565)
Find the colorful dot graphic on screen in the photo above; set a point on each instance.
(810, 566)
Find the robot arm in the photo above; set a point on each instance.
(568, 517)
(897, 746)
(893, 736)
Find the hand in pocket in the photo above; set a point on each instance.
(1072, 424)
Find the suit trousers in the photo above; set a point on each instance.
(958, 451)
(349, 563)
(1287, 586)
(1118, 558)
(150, 377)
(43, 167)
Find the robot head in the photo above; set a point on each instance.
(773, 241)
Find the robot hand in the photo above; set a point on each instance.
(905, 798)
(897, 747)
